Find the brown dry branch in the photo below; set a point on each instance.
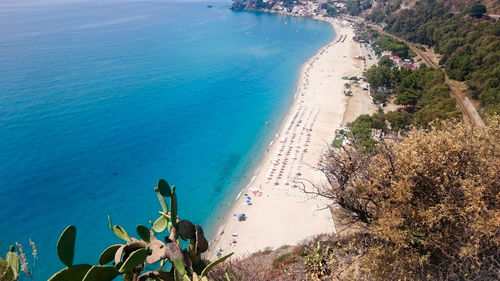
(429, 203)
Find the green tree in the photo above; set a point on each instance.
(470, 47)
(408, 97)
(361, 130)
(459, 67)
(380, 98)
(385, 61)
(331, 11)
(399, 121)
(477, 11)
(353, 7)
(379, 77)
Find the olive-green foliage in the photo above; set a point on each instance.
(6, 272)
(470, 47)
(400, 49)
(130, 259)
(385, 61)
(379, 13)
(339, 139)
(477, 11)
(383, 77)
(423, 93)
(331, 11)
(361, 130)
(380, 98)
(282, 260)
(379, 77)
(426, 92)
(399, 121)
(66, 245)
(319, 260)
(9, 268)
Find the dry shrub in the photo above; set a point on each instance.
(429, 203)
(281, 265)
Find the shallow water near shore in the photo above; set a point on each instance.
(100, 99)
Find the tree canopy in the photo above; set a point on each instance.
(470, 47)
(477, 10)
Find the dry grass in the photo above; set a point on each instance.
(319, 258)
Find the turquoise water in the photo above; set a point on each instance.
(100, 99)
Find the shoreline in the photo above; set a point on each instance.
(274, 194)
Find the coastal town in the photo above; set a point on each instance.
(367, 37)
(302, 8)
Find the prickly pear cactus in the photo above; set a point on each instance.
(6, 272)
(130, 259)
(12, 259)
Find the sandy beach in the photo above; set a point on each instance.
(276, 211)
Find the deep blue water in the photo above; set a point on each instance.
(100, 99)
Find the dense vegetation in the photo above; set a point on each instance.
(469, 44)
(355, 7)
(422, 92)
(400, 49)
(331, 11)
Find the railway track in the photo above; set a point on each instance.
(468, 110)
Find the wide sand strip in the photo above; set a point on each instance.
(280, 213)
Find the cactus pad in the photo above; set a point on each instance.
(213, 264)
(101, 273)
(13, 261)
(121, 233)
(136, 258)
(163, 204)
(109, 254)
(201, 241)
(143, 232)
(186, 229)
(66, 245)
(173, 209)
(160, 224)
(6, 271)
(74, 273)
(179, 266)
(164, 188)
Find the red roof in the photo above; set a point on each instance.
(408, 65)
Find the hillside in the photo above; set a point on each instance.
(467, 43)
(458, 6)
(422, 207)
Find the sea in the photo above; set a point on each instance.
(100, 99)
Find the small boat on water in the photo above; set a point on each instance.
(210, 6)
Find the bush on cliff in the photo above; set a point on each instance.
(427, 205)
(422, 207)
